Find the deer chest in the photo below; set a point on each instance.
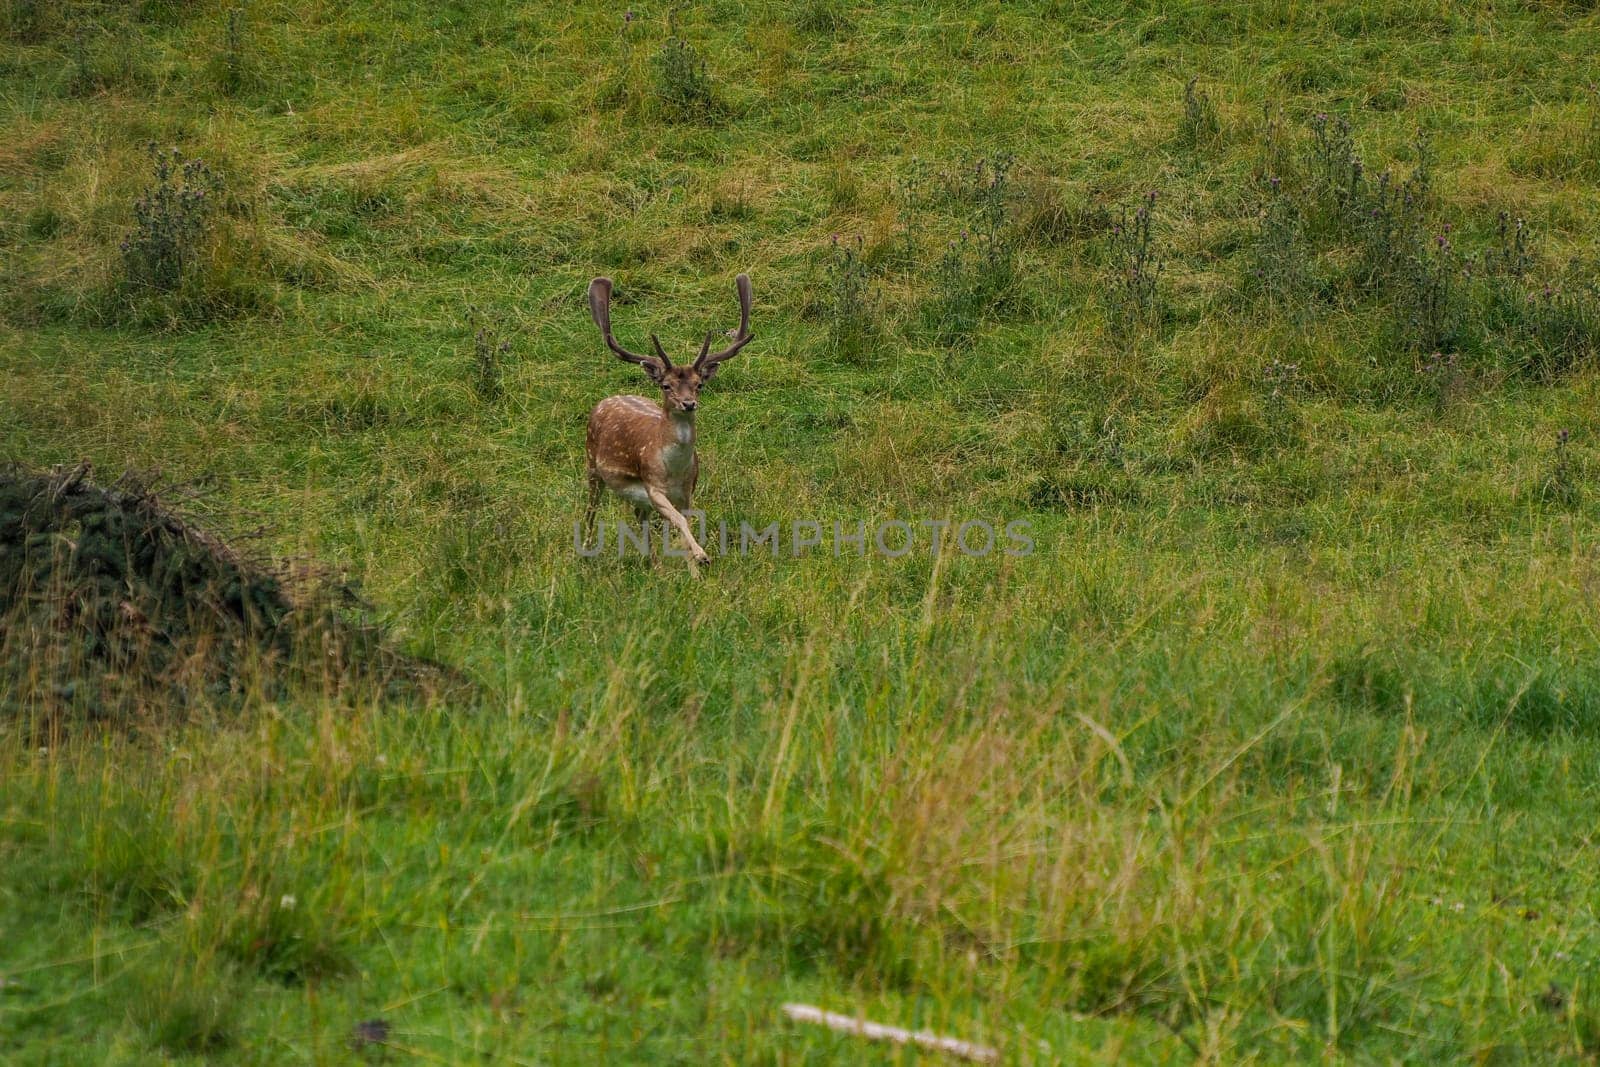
(677, 457)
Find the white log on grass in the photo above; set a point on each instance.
(848, 1024)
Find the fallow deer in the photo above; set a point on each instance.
(642, 450)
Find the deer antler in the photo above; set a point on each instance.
(600, 308)
(705, 362)
(661, 352)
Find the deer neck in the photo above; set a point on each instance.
(679, 427)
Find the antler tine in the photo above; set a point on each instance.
(600, 308)
(744, 337)
(705, 346)
(662, 352)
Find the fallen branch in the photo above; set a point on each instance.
(878, 1032)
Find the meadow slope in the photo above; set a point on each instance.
(1280, 747)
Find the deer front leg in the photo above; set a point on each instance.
(681, 524)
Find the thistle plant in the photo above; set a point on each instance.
(909, 192)
(83, 75)
(681, 80)
(1503, 267)
(989, 191)
(1441, 377)
(1281, 381)
(171, 219)
(1421, 275)
(1387, 223)
(233, 60)
(1559, 485)
(1589, 150)
(1282, 271)
(1135, 267)
(1335, 167)
(985, 186)
(1199, 125)
(27, 18)
(847, 282)
(1510, 256)
(1276, 158)
(823, 18)
(1565, 324)
(489, 352)
(617, 92)
(979, 191)
(1432, 292)
(977, 270)
(910, 188)
(974, 274)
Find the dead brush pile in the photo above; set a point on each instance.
(117, 605)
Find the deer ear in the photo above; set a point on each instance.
(656, 371)
(708, 373)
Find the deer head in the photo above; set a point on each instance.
(680, 384)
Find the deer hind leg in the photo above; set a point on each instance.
(597, 489)
(697, 554)
(646, 518)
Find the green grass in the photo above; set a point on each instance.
(1279, 748)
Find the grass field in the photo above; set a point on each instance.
(1280, 747)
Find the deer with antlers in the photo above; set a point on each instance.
(643, 451)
